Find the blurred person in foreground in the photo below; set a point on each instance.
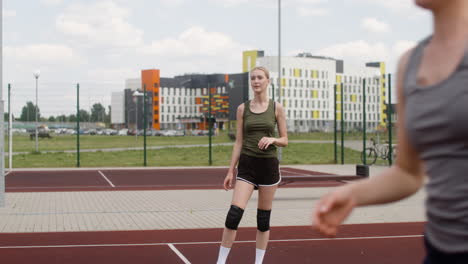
(432, 91)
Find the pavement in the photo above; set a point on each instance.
(182, 209)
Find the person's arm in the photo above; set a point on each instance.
(236, 149)
(282, 140)
(398, 182)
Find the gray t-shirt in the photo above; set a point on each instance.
(437, 125)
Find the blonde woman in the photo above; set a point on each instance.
(254, 153)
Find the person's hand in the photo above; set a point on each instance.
(265, 142)
(228, 181)
(332, 209)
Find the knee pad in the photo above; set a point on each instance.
(263, 220)
(233, 217)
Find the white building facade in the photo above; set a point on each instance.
(308, 91)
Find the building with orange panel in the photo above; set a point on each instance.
(150, 80)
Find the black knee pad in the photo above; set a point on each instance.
(263, 220)
(233, 217)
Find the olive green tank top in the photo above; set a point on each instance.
(256, 126)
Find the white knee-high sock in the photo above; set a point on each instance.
(259, 254)
(223, 254)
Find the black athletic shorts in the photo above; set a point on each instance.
(258, 171)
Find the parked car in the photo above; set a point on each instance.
(123, 132)
(41, 133)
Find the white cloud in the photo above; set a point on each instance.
(375, 26)
(396, 5)
(259, 3)
(196, 41)
(402, 46)
(42, 53)
(100, 24)
(111, 74)
(309, 11)
(8, 13)
(359, 51)
(52, 2)
(313, 2)
(172, 3)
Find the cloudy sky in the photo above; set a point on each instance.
(100, 43)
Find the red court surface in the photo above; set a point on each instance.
(151, 179)
(387, 243)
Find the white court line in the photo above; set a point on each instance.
(211, 242)
(121, 186)
(305, 175)
(104, 176)
(7, 173)
(181, 256)
(58, 187)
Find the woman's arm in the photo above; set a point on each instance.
(282, 140)
(237, 147)
(400, 181)
(407, 176)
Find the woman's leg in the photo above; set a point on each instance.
(265, 202)
(240, 197)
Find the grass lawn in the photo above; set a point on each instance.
(22, 143)
(295, 153)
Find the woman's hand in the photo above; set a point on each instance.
(332, 209)
(228, 181)
(265, 142)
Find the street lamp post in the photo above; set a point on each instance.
(136, 94)
(37, 73)
(279, 65)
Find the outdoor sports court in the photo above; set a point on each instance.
(187, 237)
(144, 179)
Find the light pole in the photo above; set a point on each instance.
(37, 73)
(136, 94)
(279, 65)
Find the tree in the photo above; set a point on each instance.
(6, 117)
(71, 118)
(62, 118)
(52, 119)
(108, 116)
(84, 116)
(98, 113)
(28, 113)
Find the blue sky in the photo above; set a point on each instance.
(100, 43)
